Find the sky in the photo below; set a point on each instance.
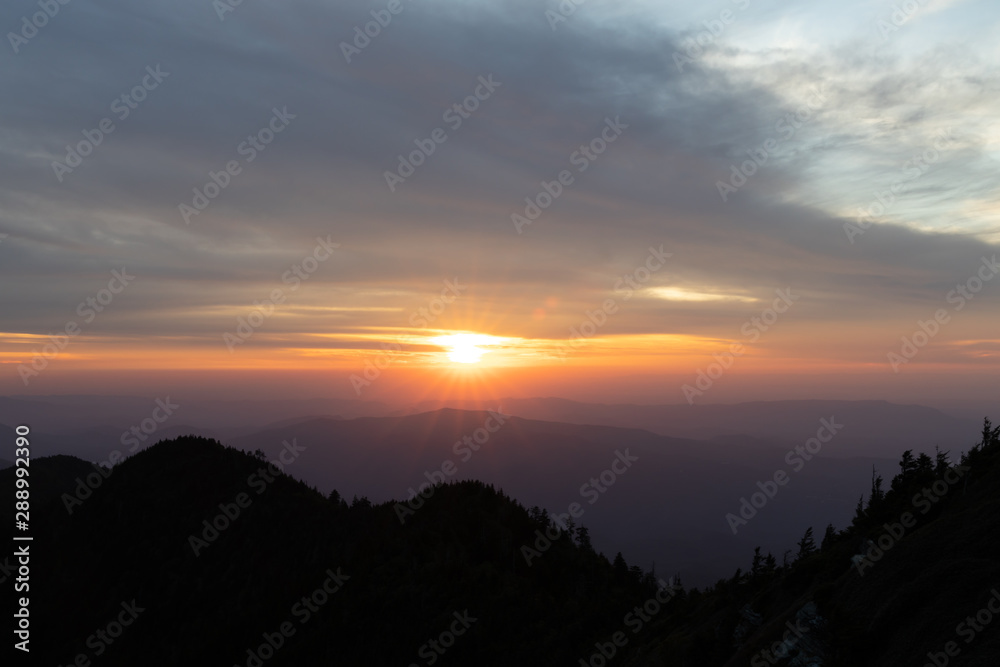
(659, 202)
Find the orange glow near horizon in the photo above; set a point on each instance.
(477, 364)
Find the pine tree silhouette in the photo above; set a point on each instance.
(807, 544)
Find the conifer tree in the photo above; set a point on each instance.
(941, 462)
(907, 464)
(757, 567)
(829, 537)
(877, 494)
(807, 544)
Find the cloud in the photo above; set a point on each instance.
(325, 173)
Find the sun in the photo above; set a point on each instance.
(464, 348)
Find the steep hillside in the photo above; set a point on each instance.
(914, 580)
(216, 550)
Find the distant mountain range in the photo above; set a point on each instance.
(876, 428)
(83, 424)
(678, 506)
(669, 505)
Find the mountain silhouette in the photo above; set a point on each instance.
(191, 552)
